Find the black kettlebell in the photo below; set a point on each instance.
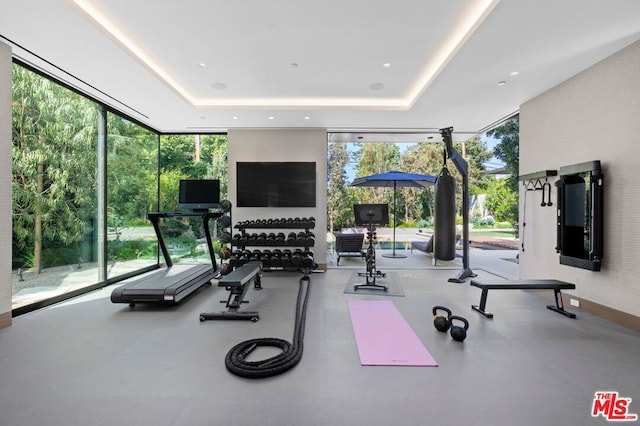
(441, 323)
(457, 332)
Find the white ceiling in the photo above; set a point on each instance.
(200, 66)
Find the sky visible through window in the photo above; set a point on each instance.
(492, 164)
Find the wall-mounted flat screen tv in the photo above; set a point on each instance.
(199, 194)
(276, 184)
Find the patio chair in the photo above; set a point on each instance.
(349, 245)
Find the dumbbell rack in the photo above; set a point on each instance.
(223, 235)
(277, 259)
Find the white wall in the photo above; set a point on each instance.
(283, 145)
(593, 116)
(5, 185)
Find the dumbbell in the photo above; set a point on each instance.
(225, 253)
(271, 239)
(285, 258)
(261, 239)
(252, 240)
(274, 260)
(225, 205)
(225, 237)
(296, 258)
(292, 239)
(280, 239)
(224, 221)
(310, 239)
(440, 322)
(301, 238)
(458, 333)
(265, 257)
(226, 268)
(256, 255)
(308, 259)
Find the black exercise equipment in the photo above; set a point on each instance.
(371, 214)
(441, 323)
(225, 205)
(224, 221)
(225, 237)
(554, 285)
(458, 333)
(174, 282)
(236, 283)
(580, 223)
(445, 216)
(462, 167)
(236, 359)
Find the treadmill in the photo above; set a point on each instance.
(172, 283)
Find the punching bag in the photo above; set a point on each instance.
(445, 216)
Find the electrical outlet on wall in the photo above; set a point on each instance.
(574, 302)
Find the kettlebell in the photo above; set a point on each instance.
(441, 323)
(457, 332)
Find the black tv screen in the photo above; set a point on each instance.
(374, 214)
(276, 184)
(199, 194)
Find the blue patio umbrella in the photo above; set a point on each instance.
(395, 179)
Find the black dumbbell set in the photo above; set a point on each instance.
(290, 222)
(281, 253)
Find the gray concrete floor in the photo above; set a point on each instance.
(88, 361)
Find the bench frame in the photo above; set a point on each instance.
(237, 284)
(554, 285)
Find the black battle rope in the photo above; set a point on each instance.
(236, 362)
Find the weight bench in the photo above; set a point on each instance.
(236, 283)
(554, 285)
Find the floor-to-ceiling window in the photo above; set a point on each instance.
(59, 246)
(84, 179)
(131, 190)
(54, 189)
(192, 156)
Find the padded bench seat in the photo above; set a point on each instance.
(236, 283)
(532, 284)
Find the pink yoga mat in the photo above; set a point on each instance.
(384, 337)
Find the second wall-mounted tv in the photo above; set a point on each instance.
(276, 184)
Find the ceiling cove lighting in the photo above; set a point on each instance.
(471, 19)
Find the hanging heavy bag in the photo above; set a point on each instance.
(445, 216)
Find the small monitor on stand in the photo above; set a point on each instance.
(371, 214)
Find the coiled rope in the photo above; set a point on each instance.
(236, 362)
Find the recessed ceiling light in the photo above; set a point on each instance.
(307, 117)
(202, 65)
(235, 117)
(386, 65)
(219, 86)
(271, 117)
(471, 18)
(514, 73)
(376, 86)
(502, 83)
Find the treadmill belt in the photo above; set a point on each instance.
(165, 285)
